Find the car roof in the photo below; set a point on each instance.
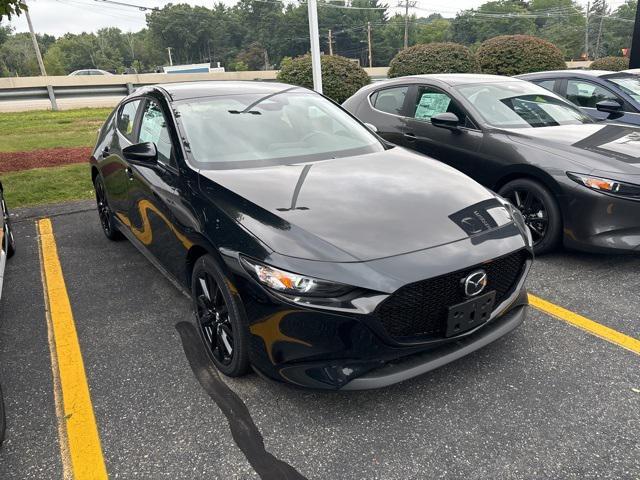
(565, 73)
(211, 88)
(453, 79)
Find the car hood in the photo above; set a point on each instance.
(603, 147)
(356, 208)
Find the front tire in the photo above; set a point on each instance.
(540, 211)
(220, 318)
(104, 211)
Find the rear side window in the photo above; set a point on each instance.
(587, 94)
(127, 118)
(390, 100)
(548, 84)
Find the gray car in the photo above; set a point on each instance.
(601, 94)
(576, 181)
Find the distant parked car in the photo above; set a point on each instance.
(90, 71)
(573, 179)
(601, 94)
(7, 249)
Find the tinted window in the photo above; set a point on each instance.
(587, 94)
(153, 128)
(548, 84)
(520, 105)
(126, 119)
(629, 85)
(430, 102)
(390, 100)
(257, 129)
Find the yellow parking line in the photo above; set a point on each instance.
(584, 323)
(82, 442)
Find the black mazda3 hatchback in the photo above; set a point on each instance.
(314, 251)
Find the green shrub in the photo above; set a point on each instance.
(341, 77)
(432, 58)
(614, 64)
(517, 54)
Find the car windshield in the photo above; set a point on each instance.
(520, 105)
(629, 85)
(291, 126)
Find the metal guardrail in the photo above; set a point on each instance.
(54, 88)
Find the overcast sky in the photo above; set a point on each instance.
(60, 16)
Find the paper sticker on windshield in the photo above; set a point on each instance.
(432, 104)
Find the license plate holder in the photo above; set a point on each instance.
(470, 314)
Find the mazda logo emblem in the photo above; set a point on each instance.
(475, 283)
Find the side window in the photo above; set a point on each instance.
(587, 94)
(153, 128)
(548, 84)
(390, 100)
(430, 102)
(127, 118)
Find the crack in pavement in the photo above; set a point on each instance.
(244, 431)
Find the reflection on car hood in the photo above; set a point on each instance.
(606, 147)
(356, 208)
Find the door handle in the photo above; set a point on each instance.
(105, 152)
(411, 137)
(129, 173)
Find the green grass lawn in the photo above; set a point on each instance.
(21, 131)
(47, 185)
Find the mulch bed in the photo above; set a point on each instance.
(49, 157)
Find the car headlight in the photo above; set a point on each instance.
(292, 283)
(606, 185)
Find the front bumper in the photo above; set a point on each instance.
(598, 222)
(405, 369)
(328, 350)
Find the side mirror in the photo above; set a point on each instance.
(141, 153)
(371, 127)
(446, 120)
(609, 106)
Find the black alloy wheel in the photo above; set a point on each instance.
(104, 211)
(540, 212)
(220, 318)
(8, 232)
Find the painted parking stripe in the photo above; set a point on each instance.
(80, 442)
(594, 328)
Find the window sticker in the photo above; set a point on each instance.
(432, 104)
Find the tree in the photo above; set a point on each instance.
(501, 17)
(436, 30)
(8, 8)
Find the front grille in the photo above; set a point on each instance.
(420, 309)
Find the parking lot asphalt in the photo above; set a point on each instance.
(549, 401)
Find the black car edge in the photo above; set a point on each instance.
(314, 251)
(7, 249)
(576, 181)
(603, 95)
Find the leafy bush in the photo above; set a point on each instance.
(341, 77)
(614, 64)
(517, 54)
(432, 58)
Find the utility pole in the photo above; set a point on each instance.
(36, 47)
(330, 43)
(170, 59)
(634, 60)
(407, 4)
(316, 68)
(369, 42)
(596, 54)
(586, 34)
